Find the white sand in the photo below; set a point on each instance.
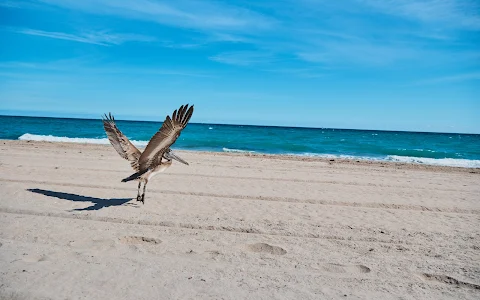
(234, 227)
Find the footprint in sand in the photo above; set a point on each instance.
(339, 268)
(447, 280)
(131, 240)
(101, 244)
(266, 248)
(34, 258)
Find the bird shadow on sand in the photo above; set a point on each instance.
(97, 203)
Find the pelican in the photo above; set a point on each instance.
(150, 162)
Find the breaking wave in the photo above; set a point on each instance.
(236, 150)
(63, 139)
(450, 162)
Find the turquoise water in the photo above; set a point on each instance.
(427, 148)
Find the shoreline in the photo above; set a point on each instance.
(288, 157)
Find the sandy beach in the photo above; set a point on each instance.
(234, 226)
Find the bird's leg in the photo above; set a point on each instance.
(139, 198)
(143, 195)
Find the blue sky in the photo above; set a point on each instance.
(367, 64)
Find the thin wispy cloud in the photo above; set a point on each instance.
(97, 38)
(310, 73)
(9, 4)
(182, 13)
(229, 37)
(78, 66)
(448, 13)
(473, 76)
(243, 58)
(16, 4)
(366, 53)
(179, 45)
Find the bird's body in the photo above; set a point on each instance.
(157, 156)
(158, 169)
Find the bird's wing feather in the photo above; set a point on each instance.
(120, 142)
(165, 137)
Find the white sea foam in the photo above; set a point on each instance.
(421, 150)
(62, 139)
(451, 162)
(333, 156)
(236, 150)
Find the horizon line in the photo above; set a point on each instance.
(250, 125)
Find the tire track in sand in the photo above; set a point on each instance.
(215, 228)
(373, 205)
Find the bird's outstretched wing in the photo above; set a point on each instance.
(120, 142)
(165, 137)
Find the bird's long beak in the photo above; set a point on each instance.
(174, 156)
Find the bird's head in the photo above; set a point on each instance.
(169, 155)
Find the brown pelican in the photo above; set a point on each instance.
(150, 162)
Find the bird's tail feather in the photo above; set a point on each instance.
(134, 176)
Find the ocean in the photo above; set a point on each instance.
(447, 149)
